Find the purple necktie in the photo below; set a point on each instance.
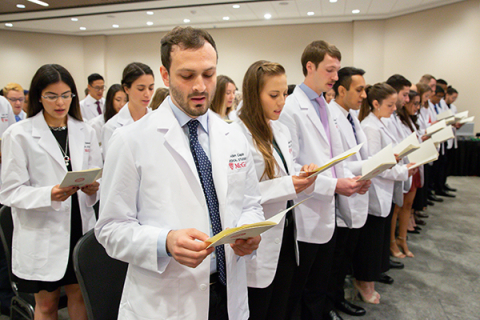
(99, 110)
(324, 118)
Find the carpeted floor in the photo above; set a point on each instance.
(443, 280)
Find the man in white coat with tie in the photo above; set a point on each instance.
(173, 179)
(349, 94)
(94, 104)
(315, 140)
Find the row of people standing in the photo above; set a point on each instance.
(181, 174)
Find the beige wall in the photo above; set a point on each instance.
(444, 42)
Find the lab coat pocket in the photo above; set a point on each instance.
(31, 248)
(162, 296)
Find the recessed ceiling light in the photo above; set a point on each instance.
(186, 20)
(226, 18)
(83, 28)
(74, 19)
(8, 25)
(115, 25)
(149, 23)
(40, 3)
(236, 6)
(355, 11)
(333, 1)
(267, 16)
(21, 6)
(150, 13)
(310, 13)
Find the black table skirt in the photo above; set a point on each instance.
(464, 161)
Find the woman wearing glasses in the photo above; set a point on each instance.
(49, 220)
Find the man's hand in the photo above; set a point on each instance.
(183, 246)
(350, 186)
(245, 247)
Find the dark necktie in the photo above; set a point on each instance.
(436, 109)
(350, 119)
(204, 168)
(99, 110)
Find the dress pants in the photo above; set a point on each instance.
(386, 241)
(271, 302)
(217, 309)
(310, 282)
(439, 173)
(345, 246)
(421, 196)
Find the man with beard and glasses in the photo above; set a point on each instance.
(172, 180)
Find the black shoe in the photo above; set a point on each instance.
(385, 279)
(333, 315)
(430, 203)
(433, 197)
(420, 222)
(418, 228)
(350, 308)
(396, 265)
(448, 188)
(414, 231)
(422, 215)
(445, 194)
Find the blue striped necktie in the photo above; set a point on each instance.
(204, 168)
(350, 119)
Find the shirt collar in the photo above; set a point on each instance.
(312, 95)
(345, 112)
(183, 118)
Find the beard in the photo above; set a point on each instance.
(194, 110)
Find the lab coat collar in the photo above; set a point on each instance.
(307, 107)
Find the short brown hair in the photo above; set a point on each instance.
(426, 78)
(185, 38)
(315, 52)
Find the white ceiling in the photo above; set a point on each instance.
(132, 17)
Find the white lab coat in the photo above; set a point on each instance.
(150, 185)
(88, 107)
(394, 126)
(315, 219)
(121, 119)
(32, 165)
(450, 142)
(7, 118)
(381, 191)
(355, 206)
(275, 194)
(97, 124)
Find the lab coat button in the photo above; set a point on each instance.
(277, 240)
(203, 287)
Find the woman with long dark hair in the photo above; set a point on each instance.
(49, 220)
(138, 83)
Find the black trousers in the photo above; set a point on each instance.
(308, 296)
(385, 258)
(421, 196)
(345, 246)
(271, 302)
(439, 173)
(218, 299)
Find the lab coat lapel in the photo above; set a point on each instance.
(308, 108)
(284, 148)
(46, 140)
(76, 137)
(218, 132)
(362, 138)
(176, 143)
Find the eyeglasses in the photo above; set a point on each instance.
(100, 88)
(15, 100)
(53, 98)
